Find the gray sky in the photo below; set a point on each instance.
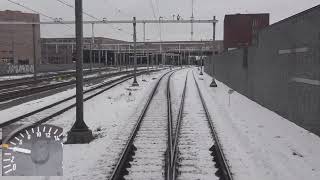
(142, 9)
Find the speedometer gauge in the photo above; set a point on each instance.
(32, 151)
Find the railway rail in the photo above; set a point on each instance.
(155, 150)
(48, 112)
(18, 92)
(5, 84)
(153, 113)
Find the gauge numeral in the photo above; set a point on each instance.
(56, 138)
(12, 159)
(38, 134)
(29, 136)
(20, 142)
(48, 135)
(14, 167)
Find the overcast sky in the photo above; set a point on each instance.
(152, 9)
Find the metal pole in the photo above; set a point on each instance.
(106, 57)
(119, 57)
(213, 83)
(135, 83)
(79, 133)
(99, 56)
(34, 52)
(201, 61)
(144, 32)
(91, 45)
(148, 63)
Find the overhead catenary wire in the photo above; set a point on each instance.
(92, 16)
(30, 9)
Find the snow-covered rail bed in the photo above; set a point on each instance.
(145, 153)
(50, 111)
(151, 140)
(194, 140)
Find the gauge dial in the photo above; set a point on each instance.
(33, 151)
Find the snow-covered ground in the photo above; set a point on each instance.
(111, 117)
(258, 143)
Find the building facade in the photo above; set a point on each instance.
(62, 50)
(17, 42)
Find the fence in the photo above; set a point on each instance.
(282, 72)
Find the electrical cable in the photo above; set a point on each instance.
(30, 9)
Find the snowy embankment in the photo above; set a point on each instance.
(111, 116)
(258, 143)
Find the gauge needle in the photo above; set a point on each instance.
(21, 150)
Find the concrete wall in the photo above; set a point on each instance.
(282, 72)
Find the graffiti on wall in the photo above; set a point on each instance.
(15, 69)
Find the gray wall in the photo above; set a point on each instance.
(282, 71)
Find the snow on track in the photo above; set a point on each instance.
(195, 139)
(176, 89)
(151, 140)
(110, 116)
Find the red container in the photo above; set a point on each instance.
(240, 29)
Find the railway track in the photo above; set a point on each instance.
(147, 144)
(22, 91)
(46, 113)
(155, 150)
(6, 84)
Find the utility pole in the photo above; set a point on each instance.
(144, 32)
(106, 57)
(162, 57)
(91, 45)
(148, 60)
(34, 52)
(213, 83)
(119, 57)
(192, 18)
(135, 83)
(79, 133)
(201, 61)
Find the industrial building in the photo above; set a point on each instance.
(19, 44)
(61, 50)
(240, 30)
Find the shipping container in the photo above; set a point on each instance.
(240, 30)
